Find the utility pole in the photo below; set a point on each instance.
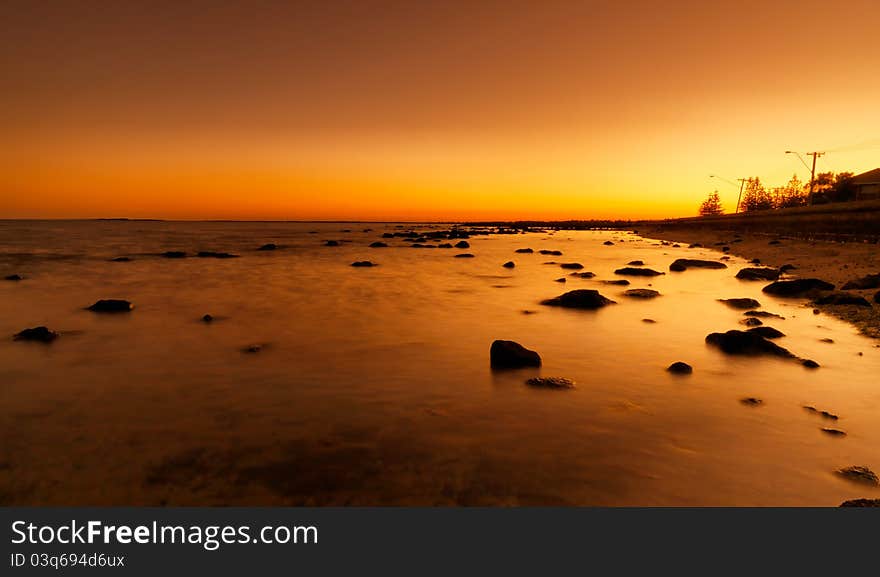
(813, 174)
(742, 183)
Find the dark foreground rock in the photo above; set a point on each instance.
(464, 255)
(767, 332)
(634, 271)
(797, 287)
(841, 298)
(121, 259)
(512, 355)
(13, 277)
(36, 334)
(207, 318)
(741, 303)
(572, 265)
(551, 252)
(641, 293)
(859, 474)
(551, 382)
(111, 306)
(636, 263)
(810, 364)
(608, 243)
(871, 281)
(462, 244)
(583, 274)
(746, 343)
(174, 254)
(764, 314)
(680, 368)
(683, 264)
(363, 263)
(378, 244)
(758, 274)
(213, 254)
(617, 282)
(509, 264)
(331, 243)
(524, 250)
(751, 401)
(269, 246)
(579, 299)
(877, 297)
(861, 503)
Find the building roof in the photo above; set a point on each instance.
(870, 177)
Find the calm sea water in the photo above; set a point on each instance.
(373, 385)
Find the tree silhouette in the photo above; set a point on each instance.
(712, 205)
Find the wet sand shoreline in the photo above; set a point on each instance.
(833, 261)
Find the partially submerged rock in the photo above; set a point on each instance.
(268, 246)
(620, 282)
(833, 432)
(741, 303)
(551, 252)
(331, 243)
(363, 263)
(841, 298)
(861, 503)
(871, 281)
(751, 322)
(524, 250)
(641, 293)
(121, 259)
(583, 274)
(509, 264)
(608, 243)
(572, 265)
(683, 264)
(13, 277)
(111, 306)
(213, 254)
(758, 274)
(37, 334)
(636, 263)
(207, 318)
(767, 332)
(635, 271)
(810, 364)
(680, 368)
(751, 401)
(551, 382)
(462, 244)
(859, 474)
(561, 279)
(746, 343)
(579, 299)
(174, 254)
(512, 355)
(797, 287)
(763, 314)
(378, 244)
(464, 255)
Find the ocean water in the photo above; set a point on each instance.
(373, 387)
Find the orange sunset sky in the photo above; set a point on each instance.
(413, 110)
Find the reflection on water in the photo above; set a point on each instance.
(373, 384)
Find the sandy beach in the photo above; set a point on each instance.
(833, 261)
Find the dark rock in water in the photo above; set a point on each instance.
(255, 348)
(207, 319)
(512, 355)
(579, 299)
(562, 279)
(861, 503)
(680, 368)
(331, 243)
(767, 332)
(111, 306)
(758, 274)
(633, 271)
(13, 277)
(608, 243)
(572, 265)
(378, 244)
(751, 322)
(462, 244)
(695, 245)
(524, 250)
(444, 245)
(683, 264)
(528, 312)
(620, 282)
(797, 287)
(810, 364)
(388, 235)
(741, 303)
(826, 340)
(464, 255)
(363, 263)
(641, 293)
(877, 298)
(212, 254)
(174, 254)
(859, 474)
(551, 382)
(120, 259)
(763, 314)
(774, 242)
(833, 432)
(843, 299)
(38, 334)
(509, 264)
(268, 246)
(871, 281)
(746, 343)
(755, 261)
(649, 321)
(551, 252)
(787, 267)
(636, 263)
(751, 401)
(583, 274)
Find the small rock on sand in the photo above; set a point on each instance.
(111, 306)
(551, 382)
(680, 368)
(859, 474)
(511, 355)
(649, 321)
(37, 334)
(870, 281)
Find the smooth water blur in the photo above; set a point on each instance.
(373, 385)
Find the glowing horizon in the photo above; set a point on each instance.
(391, 111)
